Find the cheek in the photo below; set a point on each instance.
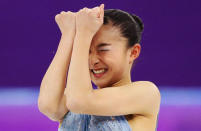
(119, 64)
(114, 59)
(114, 64)
(118, 68)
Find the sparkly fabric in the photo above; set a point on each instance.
(83, 122)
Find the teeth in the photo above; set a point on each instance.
(99, 71)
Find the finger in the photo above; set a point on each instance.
(62, 12)
(81, 10)
(85, 9)
(74, 13)
(102, 6)
(102, 10)
(88, 10)
(96, 10)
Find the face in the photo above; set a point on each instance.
(109, 60)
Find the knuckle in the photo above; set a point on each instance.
(62, 12)
(57, 16)
(69, 13)
(83, 9)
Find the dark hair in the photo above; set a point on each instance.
(130, 25)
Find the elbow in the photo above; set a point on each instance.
(49, 111)
(42, 105)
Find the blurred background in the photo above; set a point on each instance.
(170, 57)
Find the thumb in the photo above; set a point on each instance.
(102, 11)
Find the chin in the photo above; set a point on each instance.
(100, 84)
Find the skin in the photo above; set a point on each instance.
(141, 98)
(116, 57)
(137, 98)
(54, 81)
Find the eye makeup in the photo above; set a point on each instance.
(103, 44)
(103, 49)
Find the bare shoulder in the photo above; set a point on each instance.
(148, 85)
(144, 82)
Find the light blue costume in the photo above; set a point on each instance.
(84, 122)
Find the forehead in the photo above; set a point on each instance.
(108, 34)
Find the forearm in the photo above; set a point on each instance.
(54, 81)
(79, 81)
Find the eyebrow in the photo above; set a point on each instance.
(103, 44)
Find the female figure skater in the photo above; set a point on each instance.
(100, 46)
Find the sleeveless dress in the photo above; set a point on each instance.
(84, 122)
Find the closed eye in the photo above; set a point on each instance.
(103, 50)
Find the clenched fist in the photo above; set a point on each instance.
(66, 22)
(88, 21)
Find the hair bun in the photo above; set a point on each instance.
(138, 21)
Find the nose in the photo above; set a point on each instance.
(93, 60)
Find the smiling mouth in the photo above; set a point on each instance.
(99, 73)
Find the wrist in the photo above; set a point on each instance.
(66, 42)
(84, 36)
(68, 36)
(82, 43)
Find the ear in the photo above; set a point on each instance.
(134, 52)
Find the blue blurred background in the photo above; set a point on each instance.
(170, 57)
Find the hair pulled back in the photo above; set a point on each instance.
(130, 25)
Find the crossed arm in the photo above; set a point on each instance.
(79, 96)
(137, 98)
(51, 99)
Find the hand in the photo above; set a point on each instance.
(88, 21)
(66, 22)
